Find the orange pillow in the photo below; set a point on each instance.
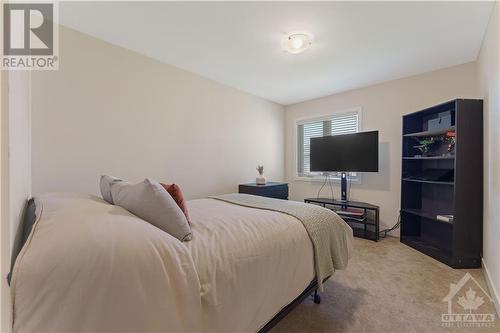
(175, 191)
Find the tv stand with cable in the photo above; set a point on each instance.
(343, 186)
(362, 217)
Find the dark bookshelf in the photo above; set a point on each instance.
(457, 243)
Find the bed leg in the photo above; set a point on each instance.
(317, 298)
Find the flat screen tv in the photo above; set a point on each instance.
(357, 152)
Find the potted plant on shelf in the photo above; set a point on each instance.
(260, 180)
(425, 145)
(440, 145)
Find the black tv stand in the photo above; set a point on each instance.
(367, 228)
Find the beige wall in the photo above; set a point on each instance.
(108, 110)
(489, 83)
(15, 170)
(382, 108)
(5, 225)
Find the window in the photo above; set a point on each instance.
(336, 124)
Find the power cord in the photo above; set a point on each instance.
(330, 181)
(349, 178)
(386, 231)
(321, 188)
(327, 180)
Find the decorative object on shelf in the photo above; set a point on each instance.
(261, 180)
(443, 120)
(425, 145)
(433, 144)
(445, 218)
(450, 136)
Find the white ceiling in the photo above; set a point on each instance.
(238, 43)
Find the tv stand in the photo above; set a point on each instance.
(343, 186)
(367, 228)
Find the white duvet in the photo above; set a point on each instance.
(250, 262)
(94, 267)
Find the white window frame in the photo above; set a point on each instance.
(321, 117)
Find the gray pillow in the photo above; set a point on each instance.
(151, 202)
(105, 186)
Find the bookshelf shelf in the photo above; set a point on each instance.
(426, 215)
(458, 243)
(431, 133)
(423, 158)
(428, 247)
(427, 181)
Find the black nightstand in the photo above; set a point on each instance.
(270, 190)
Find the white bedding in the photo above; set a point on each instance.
(90, 266)
(250, 263)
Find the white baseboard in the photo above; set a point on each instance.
(491, 287)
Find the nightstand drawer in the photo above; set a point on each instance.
(270, 190)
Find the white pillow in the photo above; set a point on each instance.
(105, 186)
(151, 202)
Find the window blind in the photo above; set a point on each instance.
(333, 125)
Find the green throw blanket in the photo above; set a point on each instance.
(330, 235)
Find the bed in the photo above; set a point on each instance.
(91, 266)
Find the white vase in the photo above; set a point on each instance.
(261, 180)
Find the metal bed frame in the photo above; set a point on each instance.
(311, 288)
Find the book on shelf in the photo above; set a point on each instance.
(445, 218)
(353, 219)
(351, 213)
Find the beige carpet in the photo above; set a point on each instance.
(388, 287)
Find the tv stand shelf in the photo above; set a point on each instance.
(425, 194)
(368, 228)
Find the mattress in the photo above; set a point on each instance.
(250, 262)
(91, 266)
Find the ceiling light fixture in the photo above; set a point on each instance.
(296, 42)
